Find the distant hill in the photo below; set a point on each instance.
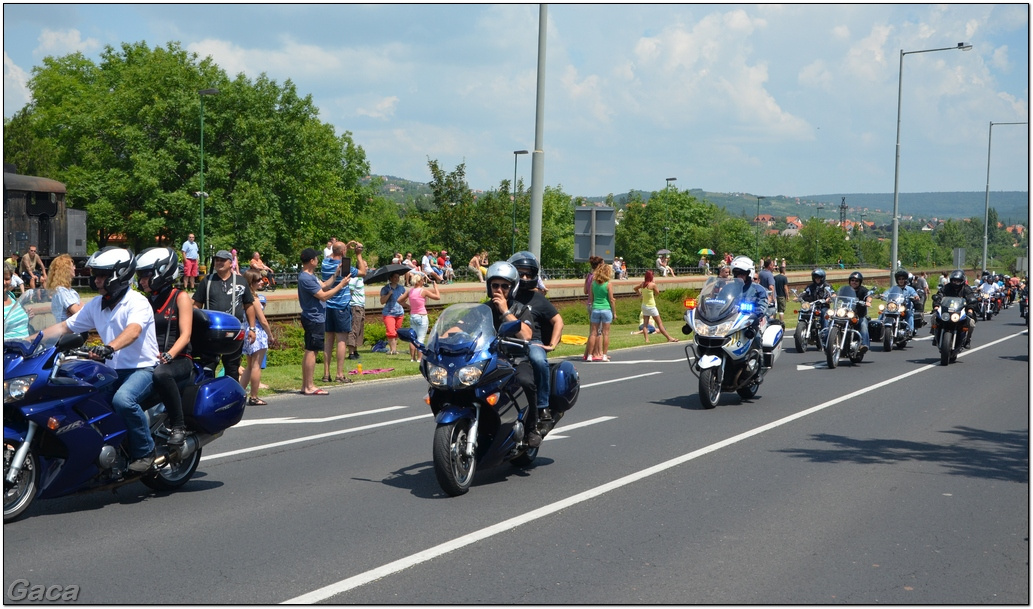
(1012, 206)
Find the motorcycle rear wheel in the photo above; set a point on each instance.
(174, 475)
(946, 345)
(749, 391)
(20, 495)
(709, 388)
(526, 458)
(453, 468)
(832, 347)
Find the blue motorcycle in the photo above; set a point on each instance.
(477, 403)
(61, 434)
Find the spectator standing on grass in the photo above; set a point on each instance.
(257, 350)
(312, 295)
(391, 312)
(358, 334)
(227, 292)
(64, 300)
(781, 293)
(417, 299)
(190, 261)
(339, 308)
(648, 291)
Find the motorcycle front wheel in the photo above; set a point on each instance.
(18, 496)
(946, 345)
(832, 347)
(709, 388)
(887, 340)
(452, 466)
(174, 475)
(800, 339)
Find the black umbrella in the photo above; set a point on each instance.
(662, 252)
(384, 273)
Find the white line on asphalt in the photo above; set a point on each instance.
(620, 380)
(811, 366)
(278, 420)
(640, 361)
(328, 434)
(567, 428)
(431, 553)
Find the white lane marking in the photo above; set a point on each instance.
(620, 380)
(811, 366)
(328, 434)
(278, 420)
(553, 436)
(638, 361)
(391, 568)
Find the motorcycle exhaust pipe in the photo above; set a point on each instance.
(193, 442)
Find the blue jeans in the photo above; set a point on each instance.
(863, 329)
(133, 385)
(542, 377)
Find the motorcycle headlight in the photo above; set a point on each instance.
(850, 314)
(437, 376)
(891, 307)
(468, 375)
(16, 388)
(881, 307)
(721, 329)
(841, 312)
(955, 317)
(805, 306)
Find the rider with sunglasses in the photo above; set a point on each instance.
(864, 300)
(502, 280)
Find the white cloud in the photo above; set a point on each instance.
(383, 108)
(16, 90)
(63, 42)
(816, 75)
(867, 60)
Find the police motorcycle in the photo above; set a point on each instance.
(479, 407)
(951, 327)
(61, 433)
(841, 334)
(808, 323)
(891, 326)
(729, 352)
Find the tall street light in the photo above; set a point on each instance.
(896, 167)
(986, 210)
(667, 215)
(201, 194)
(516, 155)
(817, 235)
(758, 227)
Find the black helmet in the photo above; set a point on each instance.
(818, 275)
(526, 260)
(503, 270)
(162, 263)
(900, 274)
(856, 275)
(957, 275)
(116, 265)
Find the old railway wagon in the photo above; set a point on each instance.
(35, 214)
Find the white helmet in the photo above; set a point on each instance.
(162, 263)
(742, 263)
(116, 265)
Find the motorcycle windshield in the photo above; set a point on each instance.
(894, 294)
(719, 299)
(952, 304)
(31, 313)
(845, 300)
(463, 328)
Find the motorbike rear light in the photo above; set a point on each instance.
(690, 303)
(493, 399)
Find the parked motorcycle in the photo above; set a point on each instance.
(808, 323)
(841, 334)
(952, 328)
(892, 322)
(61, 434)
(728, 352)
(478, 405)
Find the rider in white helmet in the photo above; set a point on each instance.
(125, 322)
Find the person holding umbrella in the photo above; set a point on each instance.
(662, 263)
(392, 313)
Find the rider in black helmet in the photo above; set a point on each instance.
(864, 300)
(818, 291)
(956, 286)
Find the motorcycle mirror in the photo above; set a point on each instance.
(407, 334)
(510, 329)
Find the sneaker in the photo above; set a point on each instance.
(142, 464)
(354, 356)
(177, 435)
(534, 439)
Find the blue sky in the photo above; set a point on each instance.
(765, 99)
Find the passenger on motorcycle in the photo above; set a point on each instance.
(912, 297)
(125, 322)
(864, 300)
(156, 271)
(956, 286)
(820, 292)
(547, 328)
(502, 281)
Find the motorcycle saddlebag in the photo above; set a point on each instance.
(216, 404)
(875, 329)
(769, 344)
(565, 386)
(215, 333)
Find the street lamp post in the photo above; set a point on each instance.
(201, 194)
(817, 234)
(757, 220)
(986, 209)
(516, 155)
(896, 166)
(667, 215)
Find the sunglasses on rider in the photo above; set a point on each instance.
(499, 286)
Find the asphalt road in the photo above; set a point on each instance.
(895, 481)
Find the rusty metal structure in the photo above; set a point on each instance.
(35, 213)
